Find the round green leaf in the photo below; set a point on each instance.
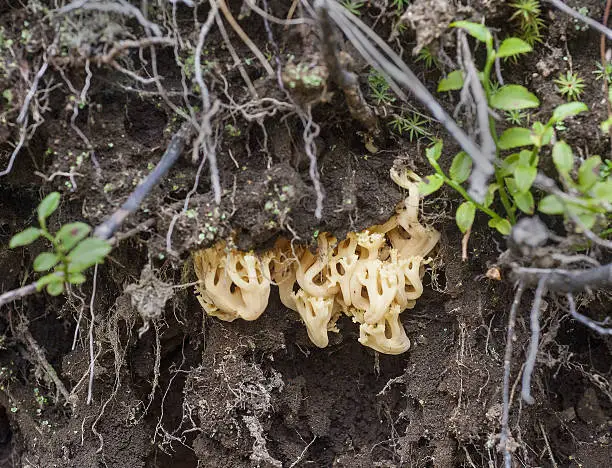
(476, 30)
(465, 216)
(502, 225)
(524, 201)
(48, 206)
(490, 196)
(551, 205)
(513, 97)
(513, 46)
(588, 173)
(603, 190)
(461, 167)
(77, 278)
(72, 233)
(524, 177)
(509, 165)
(515, 137)
(25, 237)
(563, 157)
(45, 261)
(430, 184)
(55, 289)
(569, 109)
(434, 152)
(452, 82)
(48, 279)
(87, 253)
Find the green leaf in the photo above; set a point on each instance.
(603, 190)
(588, 173)
(76, 278)
(502, 225)
(452, 82)
(434, 152)
(430, 184)
(524, 177)
(510, 164)
(25, 237)
(513, 97)
(55, 289)
(465, 216)
(515, 137)
(87, 253)
(524, 201)
(461, 167)
(569, 109)
(563, 157)
(48, 279)
(541, 134)
(511, 184)
(71, 234)
(525, 158)
(476, 30)
(513, 46)
(550, 204)
(490, 196)
(48, 206)
(588, 219)
(45, 261)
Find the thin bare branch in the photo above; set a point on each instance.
(15, 294)
(505, 430)
(585, 320)
(534, 342)
(567, 281)
(245, 38)
(175, 148)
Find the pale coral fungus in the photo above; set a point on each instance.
(371, 276)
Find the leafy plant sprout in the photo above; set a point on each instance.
(428, 58)
(528, 14)
(517, 117)
(602, 73)
(400, 4)
(379, 88)
(414, 126)
(353, 6)
(570, 86)
(72, 250)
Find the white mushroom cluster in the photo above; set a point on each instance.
(371, 276)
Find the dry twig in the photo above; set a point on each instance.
(175, 148)
(505, 430)
(534, 342)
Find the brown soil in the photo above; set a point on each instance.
(194, 391)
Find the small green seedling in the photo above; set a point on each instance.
(528, 15)
(413, 125)
(379, 88)
(400, 4)
(428, 58)
(353, 6)
(570, 86)
(72, 250)
(603, 73)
